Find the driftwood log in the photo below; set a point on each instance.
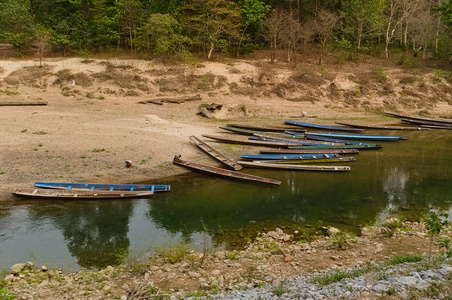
(22, 103)
(179, 100)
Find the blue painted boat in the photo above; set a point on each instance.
(360, 147)
(105, 187)
(289, 156)
(325, 127)
(358, 136)
(330, 140)
(296, 143)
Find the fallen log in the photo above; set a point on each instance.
(22, 103)
(160, 101)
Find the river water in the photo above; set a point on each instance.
(404, 179)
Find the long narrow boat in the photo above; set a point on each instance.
(265, 129)
(247, 142)
(325, 127)
(382, 127)
(359, 147)
(436, 127)
(288, 156)
(215, 154)
(300, 151)
(445, 121)
(79, 194)
(311, 161)
(104, 187)
(251, 164)
(223, 172)
(327, 140)
(300, 142)
(254, 132)
(382, 138)
(301, 139)
(423, 122)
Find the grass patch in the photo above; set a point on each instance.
(405, 258)
(336, 276)
(174, 254)
(280, 289)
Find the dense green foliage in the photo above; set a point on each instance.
(182, 27)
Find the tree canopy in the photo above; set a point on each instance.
(175, 27)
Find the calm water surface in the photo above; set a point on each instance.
(404, 179)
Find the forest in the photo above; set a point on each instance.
(183, 28)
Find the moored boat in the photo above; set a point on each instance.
(324, 127)
(288, 156)
(359, 147)
(264, 129)
(382, 127)
(424, 122)
(311, 160)
(103, 186)
(223, 172)
(266, 165)
(295, 151)
(382, 138)
(79, 194)
(435, 120)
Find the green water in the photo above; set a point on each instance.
(404, 179)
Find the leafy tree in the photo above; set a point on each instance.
(253, 14)
(17, 24)
(131, 17)
(363, 19)
(162, 35)
(212, 23)
(434, 223)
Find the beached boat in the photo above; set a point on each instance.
(265, 129)
(223, 172)
(247, 141)
(288, 156)
(435, 120)
(266, 165)
(382, 138)
(324, 127)
(311, 160)
(424, 122)
(215, 154)
(382, 127)
(104, 186)
(254, 132)
(292, 142)
(79, 194)
(327, 140)
(299, 151)
(359, 147)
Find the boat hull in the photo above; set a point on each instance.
(101, 186)
(78, 194)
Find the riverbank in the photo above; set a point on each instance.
(389, 261)
(93, 121)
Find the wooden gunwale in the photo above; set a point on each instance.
(300, 151)
(266, 165)
(382, 127)
(215, 154)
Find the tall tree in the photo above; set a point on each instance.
(253, 13)
(212, 22)
(131, 16)
(17, 23)
(326, 21)
(363, 19)
(272, 30)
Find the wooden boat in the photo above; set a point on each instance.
(299, 151)
(265, 129)
(77, 194)
(327, 140)
(359, 147)
(435, 120)
(215, 154)
(292, 142)
(223, 172)
(358, 136)
(253, 132)
(311, 160)
(288, 156)
(382, 127)
(325, 127)
(258, 164)
(247, 142)
(436, 127)
(104, 187)
(423, 122)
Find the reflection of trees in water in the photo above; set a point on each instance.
(95, 231)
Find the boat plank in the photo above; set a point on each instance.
(215, 154)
